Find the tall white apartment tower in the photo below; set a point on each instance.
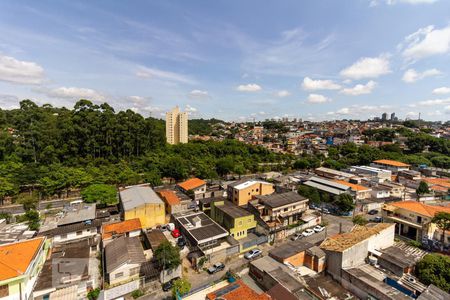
(176, 126)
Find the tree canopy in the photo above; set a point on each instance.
(435, 269)
(167, 255)
(100, 193)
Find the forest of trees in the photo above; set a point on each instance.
(53, 150)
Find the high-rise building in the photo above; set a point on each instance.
(384, 117)
(393, 116)
(176, 126)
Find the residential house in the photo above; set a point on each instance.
(233, 218)
(359, 192)
(20, 264)
(391, 165)
(241, 192)
(141, 201)
(73, 232)
(380, 192)
(283, 208)
(69, 265)
(413, 220)
(199, 229)
(124, 257)
(395, 189)
(193, 185)
(130, 228)
(79, 213)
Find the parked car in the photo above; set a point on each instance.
(175, 233)
(373, 212)
(168, 285)
(216, 268)
(376, 220)
(325, 210)
(318, 228)
(253, 254)
(308, 232)
(296, 236)
(181, 242)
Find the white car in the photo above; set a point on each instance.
(318, 228)
(253, 253)
(296, 236)
(308, 232)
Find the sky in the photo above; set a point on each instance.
(232, 60)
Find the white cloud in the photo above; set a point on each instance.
(412, 75)
(152, 73)
(198, 95)
(441, 90)
(72, 93)
(190, 109)
(426, 41)
(433, 102)
(251, 87)
(313, 85)
(17, 71)
(360, 89)
(368, 67)
(282, 94)
(317, 98)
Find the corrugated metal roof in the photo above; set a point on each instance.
(323, 187)
(138, 195)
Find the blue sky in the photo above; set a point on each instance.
(235, 60)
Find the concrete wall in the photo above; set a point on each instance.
(149, 214)
(382, 240)
(71, 236)
(128, 271)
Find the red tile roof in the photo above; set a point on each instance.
(120, 228)
(355, 187)
(241, 291)
(191, 184)
(16, 257)
(170, 197)
(420, 208)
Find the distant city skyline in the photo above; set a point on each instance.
(236, 61)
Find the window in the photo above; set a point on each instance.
(257, 190)
(249, 193)
(79, 232)
(118, 275)
(63, 236)
(4, 290)
(240, 223)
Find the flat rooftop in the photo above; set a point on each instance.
(80, 213)
(290, 248)
(200, 226)
(282, 199)
(233, 210)
(138, 195)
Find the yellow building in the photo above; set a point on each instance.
(140, 201)
(176, 126)
(20, 264)
(243, 191)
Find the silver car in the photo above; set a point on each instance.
(253, 253)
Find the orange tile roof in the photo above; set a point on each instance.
(420, 208)
(391, 163)
(445, 182)
(16, 257)
(240, 292)
(191, 184)
(121, 227)
(355, 187)
(170, 197)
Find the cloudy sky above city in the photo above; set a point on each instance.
(234, 60)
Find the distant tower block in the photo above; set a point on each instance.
(176, 126)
